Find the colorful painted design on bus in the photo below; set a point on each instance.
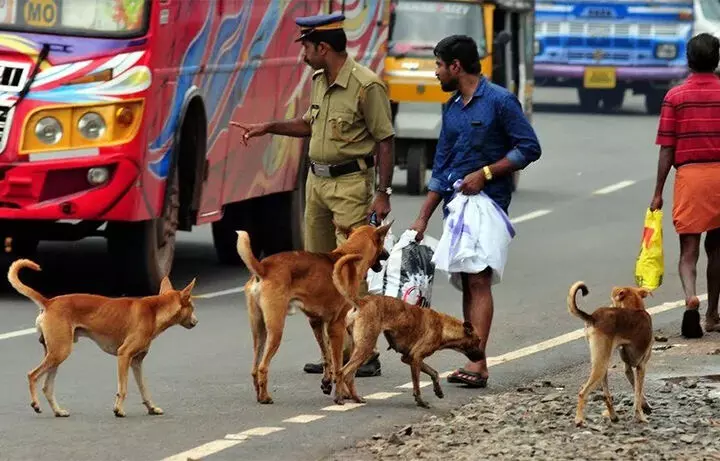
(240, 56)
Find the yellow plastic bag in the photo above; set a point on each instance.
(650, 264)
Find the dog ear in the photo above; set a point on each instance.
(644, 292)
(619, 293)
(382, 231)
(165, 285)
(469, 329)
(187, 291)
(342, 229)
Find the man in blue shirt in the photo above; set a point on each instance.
(484, 138)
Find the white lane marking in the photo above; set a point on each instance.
(15, 334)
(410, 385)
(614, 187)
(382, 395)
(215, 294)
(303, 419)
(260, 431)
(346, 407)
(444, 374)
(204, 450)
(556, 341)
(528, 216)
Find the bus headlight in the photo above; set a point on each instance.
(92, 125)
(49, 131)
(536, 47)
(666, 51)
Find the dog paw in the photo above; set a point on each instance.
(35, 406)
(421, 403)
(640, 418)
(155, 411)
(266, 401)
(120, 413)
(339, 401)
(62, 413)
(439, 392)
(358, 399)
(647, 409)
(579, 422)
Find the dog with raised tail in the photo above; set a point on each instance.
(123, 327)
(414, 332)
(302, 279)
(625, 325)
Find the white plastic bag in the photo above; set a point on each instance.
(476, 234)
(409, 271)
(376, 280)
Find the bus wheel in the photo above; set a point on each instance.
(416, 168)
(653, 101)
(589, 100)
(236, 216)
(143, 251)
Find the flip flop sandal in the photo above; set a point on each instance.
(469, 378)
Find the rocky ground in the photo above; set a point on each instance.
(537, 422)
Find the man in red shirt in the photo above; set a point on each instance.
(689, 139)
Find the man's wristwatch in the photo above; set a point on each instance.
(386, 190)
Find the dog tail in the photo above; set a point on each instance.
(246, 254)
(344, 277)
(572, 304)
(14, 280)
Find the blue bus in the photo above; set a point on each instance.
(606, 48)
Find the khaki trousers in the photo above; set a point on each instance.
(345, 199)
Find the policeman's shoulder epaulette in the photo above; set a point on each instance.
(317, 73)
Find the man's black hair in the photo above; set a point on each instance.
(335, 38)
(462, 48)
(703, 53)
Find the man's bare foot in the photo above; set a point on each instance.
(712, 324)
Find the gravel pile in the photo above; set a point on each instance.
(536, 422)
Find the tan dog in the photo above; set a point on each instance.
(412, 331)
(626, 325)
(123, 327)
(302, 279)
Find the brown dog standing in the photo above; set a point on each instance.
(302, 279)
(414, 332)
(626, 325)
(123, 327)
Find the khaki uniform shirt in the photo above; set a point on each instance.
(349, 116)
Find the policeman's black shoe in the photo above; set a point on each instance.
(368, 369)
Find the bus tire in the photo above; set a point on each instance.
(143, 252)
(236, 216)
(589, 99)
(653, 101)
(416, 167)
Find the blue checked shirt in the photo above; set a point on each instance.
(491, 126)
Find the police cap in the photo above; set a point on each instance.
(319, 23)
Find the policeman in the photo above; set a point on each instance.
(349, 123)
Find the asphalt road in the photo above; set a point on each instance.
(567, 231)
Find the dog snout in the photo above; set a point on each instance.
(191, 323)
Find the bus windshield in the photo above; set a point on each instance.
(94, 18)
(419, 25)
(710, 9)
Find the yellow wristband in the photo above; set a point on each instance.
(488, 173)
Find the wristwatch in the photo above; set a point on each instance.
(387, 190)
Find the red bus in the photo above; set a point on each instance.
(114, 121)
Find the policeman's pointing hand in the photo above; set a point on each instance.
(251, 130)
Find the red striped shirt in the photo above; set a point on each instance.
(690, 120)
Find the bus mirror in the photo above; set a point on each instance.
(501, 39)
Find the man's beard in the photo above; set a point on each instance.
(449, 86)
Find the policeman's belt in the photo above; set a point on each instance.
(331, 171)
